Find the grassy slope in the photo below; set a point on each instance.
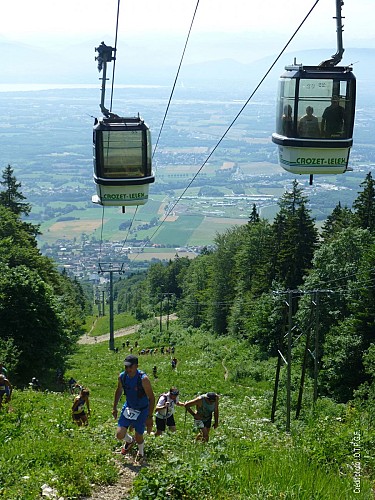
(100, 325)
(247, 457)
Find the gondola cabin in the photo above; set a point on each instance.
(122, 161)
(315, 118)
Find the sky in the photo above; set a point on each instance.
(152, 34)
(47, 21)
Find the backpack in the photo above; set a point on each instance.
(140, 390)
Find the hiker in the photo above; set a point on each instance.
(155, 371)
(165, 409)
(72, 385)
(138, 408)
(78, 411)
(174, 363)
(206, 405)
(35, 384)
(5, 389)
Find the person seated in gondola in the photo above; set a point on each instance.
(308, 126)
(287, 121)
(333, 119)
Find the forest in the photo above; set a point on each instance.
(41, 310)
(242, 289)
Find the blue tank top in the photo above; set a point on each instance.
(131, 388)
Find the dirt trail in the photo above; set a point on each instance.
(103, 338)
(86, 339)
(127, 470)
(119, 491)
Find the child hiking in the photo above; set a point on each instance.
(78, 411)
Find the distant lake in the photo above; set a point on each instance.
(31, 87)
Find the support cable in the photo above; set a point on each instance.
(114, 61)
(175, 81)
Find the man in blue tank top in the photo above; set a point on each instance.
(139, 406)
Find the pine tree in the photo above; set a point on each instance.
(223, 279)
(11, 197)
(292, 200)
(295, 238)
(254, 216)
(364, 205)
(340, 218)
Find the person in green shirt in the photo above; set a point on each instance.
(206, 405)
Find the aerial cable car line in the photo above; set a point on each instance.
(105, 55)
(168, 105)
(231, 124)
(122, 149)
(176, 78)
(315, 114)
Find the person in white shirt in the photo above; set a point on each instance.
(165, 409)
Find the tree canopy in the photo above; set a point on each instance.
(41, 310)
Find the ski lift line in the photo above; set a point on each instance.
(175, 81)
(231, 124)
(114, 60)
(311, 353)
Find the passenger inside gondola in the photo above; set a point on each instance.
(333, 119)
(308, 125)
(287, 121)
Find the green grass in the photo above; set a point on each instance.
(247, 456)
(96, 326)
(179, 231)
